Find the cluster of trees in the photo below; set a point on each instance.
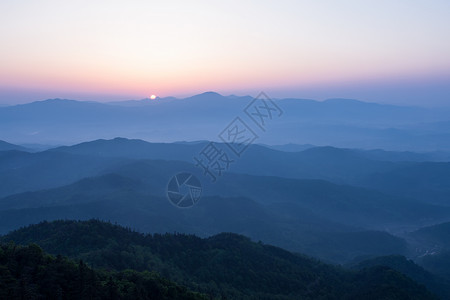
(225, 266)
(26, 272)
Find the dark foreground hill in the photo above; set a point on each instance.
(225, 266)
(29, 273)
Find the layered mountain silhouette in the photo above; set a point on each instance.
(336, 122)
(310, 206)
(5, 146)
(341, 205)
(423, 178)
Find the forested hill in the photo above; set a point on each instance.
(225, 266)
(26, 272)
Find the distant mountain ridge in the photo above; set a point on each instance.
(5, 146)
(389, 172)
(336, 122)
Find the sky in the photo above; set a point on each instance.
(380, 51)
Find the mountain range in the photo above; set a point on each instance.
(335, 122)
(357, 184)
(322, 201)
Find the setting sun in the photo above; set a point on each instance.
(153, 97)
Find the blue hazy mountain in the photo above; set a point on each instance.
(338, 203)
(141, 204)
(395, 173)
(425, 181)
(337, 165)
(436, 236)
(335, 222)
(289, 147)
(336, 122)
(23, 171)
(5, 146)
(404, 174)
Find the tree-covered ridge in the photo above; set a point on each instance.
(435, 283)
(225, 266)
(26, 272)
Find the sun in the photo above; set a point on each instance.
(153, 97)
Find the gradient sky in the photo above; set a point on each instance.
(381, 51)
